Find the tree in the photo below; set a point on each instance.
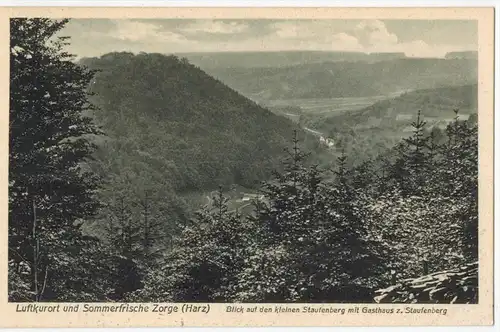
(281, 229)
(410, 169)
(431, 220)
(123, 239)
(310, 243)
(422, 234)
(134, 241)
(205, 260)
(458, 173)
(360, 261)
(50, 191)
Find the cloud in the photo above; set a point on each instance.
(316, 29)
(318, 34)
(95, 37)
(214, 27)
(286, 31)
(346, 40)
(135, 31)
(419, 48)
(370, 36)
(374, 32)
(347, 35)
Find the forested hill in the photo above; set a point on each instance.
(368, 132)
(347, 79)
(168, 116)
(437, 106)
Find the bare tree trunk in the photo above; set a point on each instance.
(44, 283)
(36, 248)
(36, 258)
(147, 236)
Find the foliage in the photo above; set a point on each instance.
(427, 212)
(312, 244)
(165, 115)
(49, 193)
(176, 132)
(371, 131)
(313, 235)
(204, 265)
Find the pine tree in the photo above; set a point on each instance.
(205, 260)
(50, 192)
(283, 231)
(310, 243)
(432, 226)
(288, 191)
(411, 168)
(459, 176)
(364, 177)
(360, 261)
(123, 236)
(154, 238)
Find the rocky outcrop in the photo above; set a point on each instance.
(458, 285)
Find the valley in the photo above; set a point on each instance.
(323, 105)
(364, 126)
(361, 125)
(133, 174)
(176, 134)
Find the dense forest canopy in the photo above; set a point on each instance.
(196, 128)
(177, 134)
(104, 153)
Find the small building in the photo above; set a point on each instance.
(327, 141)
(248, 197)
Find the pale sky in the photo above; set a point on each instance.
(421, 38)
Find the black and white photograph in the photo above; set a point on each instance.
(291, 161)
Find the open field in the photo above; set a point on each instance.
(325, 105)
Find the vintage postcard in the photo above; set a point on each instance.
(246, 167)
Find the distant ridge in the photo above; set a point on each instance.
(386, 56)
(279, 59)
(462, 55)
(336, 79)
(268, 59)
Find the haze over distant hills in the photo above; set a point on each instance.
(269, 59)
(462, 55)
(206, 60)
(180, 100)
(346, 79)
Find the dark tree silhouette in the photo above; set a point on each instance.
(50, 194)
